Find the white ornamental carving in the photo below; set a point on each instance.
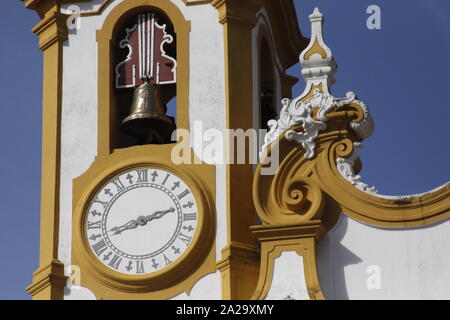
(318, 71)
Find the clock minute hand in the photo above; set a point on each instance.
(158, 214)
(142, 221)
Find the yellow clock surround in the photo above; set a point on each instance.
(197, 261)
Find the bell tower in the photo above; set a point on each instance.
(131, 206)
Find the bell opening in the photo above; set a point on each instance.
(150, 129)
(141, 94)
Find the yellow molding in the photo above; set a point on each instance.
(238, 10)
(42, 7)
(100, 9)
(196, 2)
(238, 18)
(48, 282)
(239, 269)
(305, 198)
(105, 4)
(337, 141)
(316, 49)
(301, 238)
(413, 211)
(52, 31)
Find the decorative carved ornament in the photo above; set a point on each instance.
(318, 137)
(147, 59)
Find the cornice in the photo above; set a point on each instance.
(51, 29)
(52, 276)
(237, 10)
(196, 2)
(238, 254)
(42, 7)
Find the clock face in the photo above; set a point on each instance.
(141, 221)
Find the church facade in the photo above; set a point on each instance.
(178, 163)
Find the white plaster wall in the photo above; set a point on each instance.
(203, 290)
(78, 121)
(79, 109)
(288, 281)
(78, 293)
(413, 263)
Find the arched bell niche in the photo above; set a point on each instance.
(142, 72)
(145, 63)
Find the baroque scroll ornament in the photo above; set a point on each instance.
(298, 112)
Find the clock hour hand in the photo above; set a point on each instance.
(142, 221)
(132, 224)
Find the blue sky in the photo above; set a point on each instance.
(401, 72)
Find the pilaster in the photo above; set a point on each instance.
(301, 238)
(238, 18)
(49, 280)
(239, 269)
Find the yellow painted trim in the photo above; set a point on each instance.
(106, 3)
(316, 49)
(310, 194)
(43, 7)
(48, 280)
(106, 102)
(239, 271)
(238, 18)
(100, 9)
(342, 196)
(237, 10)
(196, 262)
(299, 238)
(196, 2)
(413, 212)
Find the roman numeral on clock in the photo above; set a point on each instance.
(94, 225)
(190, 216)
(142, 175)
(119, 185)
(165, 179)
(140, 266)
(166, 260)
(115, 262)
(97, 200)
(183, 194)
(99, 247)
(186, 239)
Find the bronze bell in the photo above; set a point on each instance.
(148, 120)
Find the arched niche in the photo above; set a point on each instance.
(113, 106)
(267, 92)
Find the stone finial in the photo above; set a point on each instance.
(318, 65)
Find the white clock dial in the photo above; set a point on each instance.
(141, 221)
